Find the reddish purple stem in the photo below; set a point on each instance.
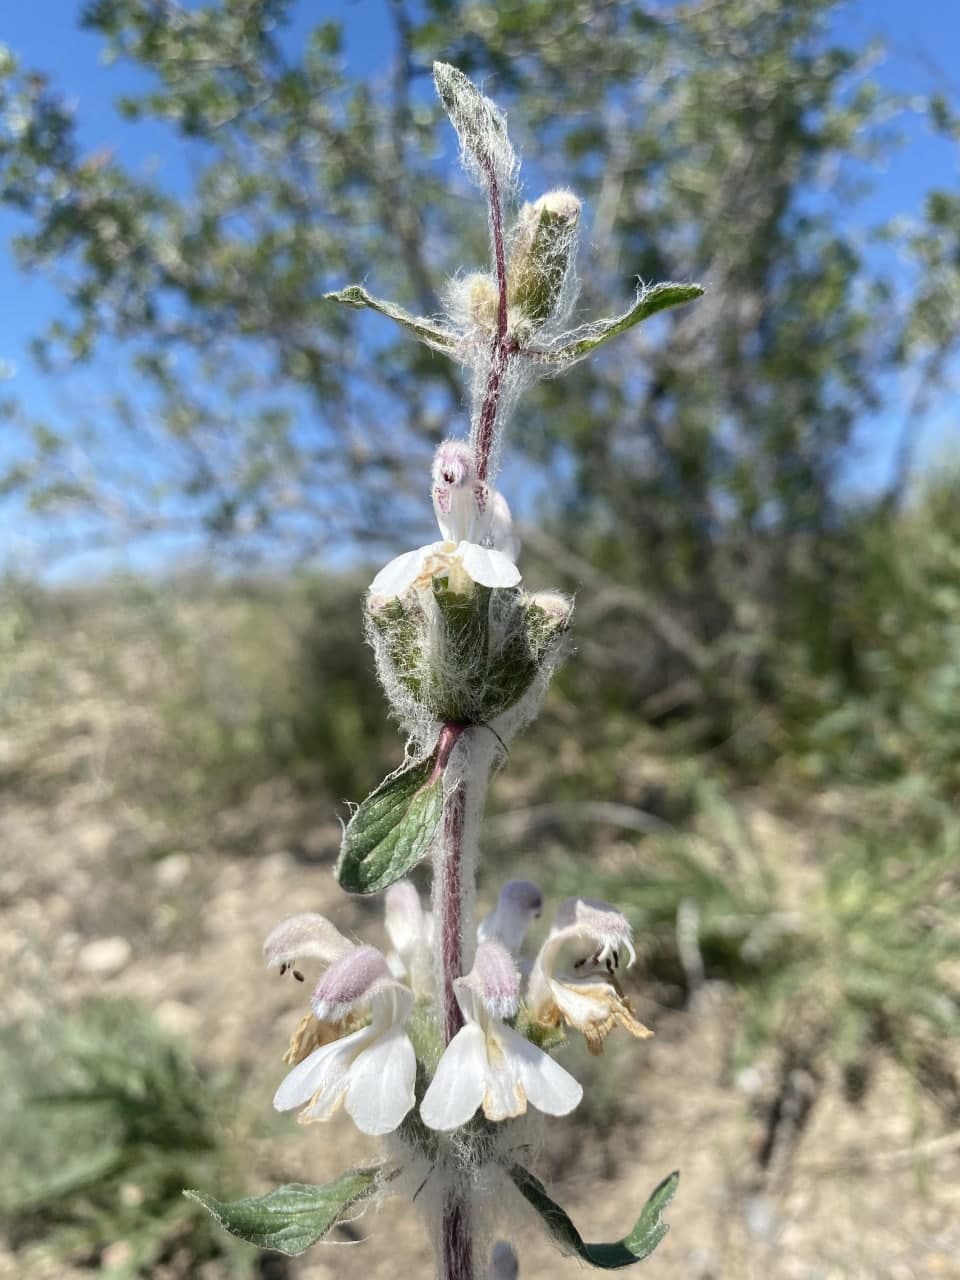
(456, 1243)
(501, 351)
(451, 911)
(500, 258)
(449, 736)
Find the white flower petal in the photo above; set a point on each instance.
(504, 1096)
(578, 1002)
(408, 927)
(458, 1085)
(403, 916)
(381, 1083)
(391, 1003)
(488, 567)
(501, 527)
(547, 1085)
(325, 1070)
(400, 574)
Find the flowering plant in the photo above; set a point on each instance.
(440, 1044)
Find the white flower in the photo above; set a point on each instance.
(372, 1070)
(593, 936)
(307, 936)
(410, 929)
(487, 1064)
(470, 515)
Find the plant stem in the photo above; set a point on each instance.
(465, 776)
(451, 910)
(456, 1242)
(500, 353)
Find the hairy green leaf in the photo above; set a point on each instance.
(425, 330)
(480, 126)
(658, 297)
(293, 1217)
(648, 1230)
(392, 830)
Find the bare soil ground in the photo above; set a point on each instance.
(100, 895)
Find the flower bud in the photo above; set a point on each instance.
(543, 256)
(480, 300)
(503, 1262)
(547, 620)
(520, 901)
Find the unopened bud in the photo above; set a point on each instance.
(503, 1262)
(520, 902)
(557, 606)
(544, 252)
(547, 620)
(480, 299)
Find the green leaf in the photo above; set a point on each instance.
(649, 301)
(290, 1219)
(480, 125)
(356, 296)
(647, 1232)
(392, 830)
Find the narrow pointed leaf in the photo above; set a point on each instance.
(392, 830)
(425, 330)
(480, 125)
(648, 1230)
(291, 1218)
(649, 301)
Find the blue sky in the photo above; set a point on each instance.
(921, 37)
